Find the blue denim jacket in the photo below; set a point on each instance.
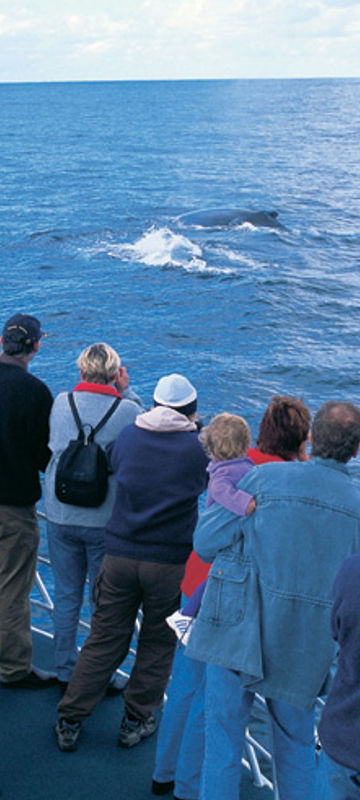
(266, 607)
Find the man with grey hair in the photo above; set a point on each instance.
(263, 624)
(25, 404)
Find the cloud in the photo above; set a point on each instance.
(186, 38)
(97, 48)
(20, 21)
(89, 26)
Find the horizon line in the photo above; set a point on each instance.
(178, 80)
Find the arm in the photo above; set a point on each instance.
(128, 394)
(113, 452)
(38, 430)
(219, 528)
(227, 495)
(121, 383)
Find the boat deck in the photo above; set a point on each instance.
(33, 768)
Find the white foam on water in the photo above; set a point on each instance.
(245, 226)
(239, 258)
(161, 247)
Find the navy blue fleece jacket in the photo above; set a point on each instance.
(160, 468)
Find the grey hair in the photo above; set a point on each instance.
(336, 431)
(98, 363)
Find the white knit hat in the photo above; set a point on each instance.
(176, 392)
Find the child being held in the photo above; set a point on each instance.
(226, 439)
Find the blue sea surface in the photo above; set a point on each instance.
(94, 177)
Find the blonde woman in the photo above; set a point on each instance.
(75, 533)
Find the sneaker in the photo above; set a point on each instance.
(181, 624)
(31, 681)
(133, 730)
(67, 734)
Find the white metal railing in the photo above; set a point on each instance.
(46, 604)
(252, 748)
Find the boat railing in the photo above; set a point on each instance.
(254, 751)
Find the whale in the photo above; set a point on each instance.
(219, 217)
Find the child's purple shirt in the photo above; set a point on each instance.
(224, 475)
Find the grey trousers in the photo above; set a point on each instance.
(123, 585)
(19, 540)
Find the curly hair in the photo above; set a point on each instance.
(284, 427)
(336, 431)
(226, 436)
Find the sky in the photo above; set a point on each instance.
(42, 40)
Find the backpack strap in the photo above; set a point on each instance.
(75, 412)
(107, 416)
(100, 424)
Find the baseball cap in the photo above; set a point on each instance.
(22, 329)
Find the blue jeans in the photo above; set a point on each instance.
(180, 744)
(336, 782)
(75, 552)
(227, 710)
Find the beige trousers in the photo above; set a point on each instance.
(19, 540)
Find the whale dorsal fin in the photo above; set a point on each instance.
(273, 214)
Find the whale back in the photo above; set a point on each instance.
(218, 217)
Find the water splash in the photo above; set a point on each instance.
(160, 247)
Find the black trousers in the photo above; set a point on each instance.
(123, 585)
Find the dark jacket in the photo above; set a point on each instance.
(339, 728)
(25, 404)
(160, 468)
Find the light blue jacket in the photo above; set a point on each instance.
(266, 607)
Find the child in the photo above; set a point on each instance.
(226, 439)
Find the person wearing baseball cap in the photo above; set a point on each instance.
(160, 469)
(25, 404)
(21, 332)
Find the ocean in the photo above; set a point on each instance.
(94, 178)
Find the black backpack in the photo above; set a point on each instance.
(81, 476)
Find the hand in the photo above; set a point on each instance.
(251, 507)
(121, 380)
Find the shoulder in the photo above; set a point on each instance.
(38, 388)
(61, 401)
(130, 406)
(192, 441)
(129, 394)
(130, 430)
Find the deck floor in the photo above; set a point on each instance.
(33, 768)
